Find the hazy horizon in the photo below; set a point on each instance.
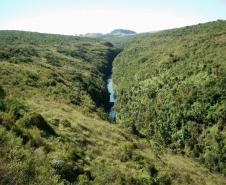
(80, 17)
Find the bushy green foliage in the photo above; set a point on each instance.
(2, 93)
(55, 70)
(49, 68)
(31, 151)
(36, 120)
(21, 166)
(171, 85)
(64, 68)
(52, 88)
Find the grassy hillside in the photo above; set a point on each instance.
(83, 150)
(52, 99)
(60, 68)
(171, 87)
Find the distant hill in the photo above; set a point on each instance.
(118, 32)
(122, 32)
(118, 37)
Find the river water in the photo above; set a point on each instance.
(112, 113)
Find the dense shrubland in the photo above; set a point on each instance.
(47, 84)
(55, 151)
(52, 98)
(171, 87)
(64, 68)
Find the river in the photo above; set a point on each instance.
(112, 113)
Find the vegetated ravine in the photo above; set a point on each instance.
(54, 92)
(110, 89)
(112, 112)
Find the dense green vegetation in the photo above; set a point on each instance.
(66, 69)
(52, 109)
(59, 145)
(171, 87)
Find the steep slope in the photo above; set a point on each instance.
(89, 151)
(171, 87)
(52, 98)
(64, 69)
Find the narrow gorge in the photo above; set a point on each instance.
(112, 113)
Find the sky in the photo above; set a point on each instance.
(72, 17)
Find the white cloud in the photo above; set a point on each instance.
(81, 19)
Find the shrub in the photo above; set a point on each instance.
(36, 120)
(66, 123)
(6, 120)
(83, 180)
(35, 138)
(2, 105)
(126, 151)
(66, 169)
(106, 174)
(164, 179)
(2, 93)
(15, 107)
(55, 121)
(53, 60)
(20, 59)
